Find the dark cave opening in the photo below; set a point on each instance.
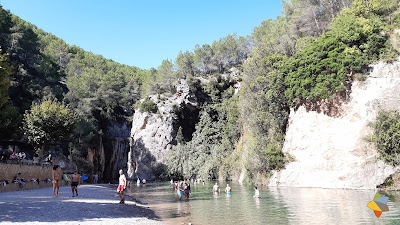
(187, 118)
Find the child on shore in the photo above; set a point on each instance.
(75, 182)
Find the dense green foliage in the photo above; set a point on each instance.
(206, 154)
(386, 136)
(312, 52)
(49, 121)
(4, 79)
(148, 106)
(319, 71)
(43, 66)
(265, 111)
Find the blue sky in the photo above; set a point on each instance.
(143, 33)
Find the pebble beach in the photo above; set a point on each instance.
(96, 204)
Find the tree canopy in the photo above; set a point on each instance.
(49, 121)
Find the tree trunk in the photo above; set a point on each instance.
(315, 19)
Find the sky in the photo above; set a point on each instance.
(143, 33)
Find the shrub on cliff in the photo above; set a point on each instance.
(386, 136)
(352, 43)
(148, 106)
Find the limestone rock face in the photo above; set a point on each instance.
(152, 134)
(331, 152)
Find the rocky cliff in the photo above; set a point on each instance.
(331, 151)
(111, 153)
(152, 134)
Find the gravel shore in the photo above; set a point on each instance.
(96, 204)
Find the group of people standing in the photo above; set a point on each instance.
(182, 188)
(228, 190)
(56, 177)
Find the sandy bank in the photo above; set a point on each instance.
(96, 204)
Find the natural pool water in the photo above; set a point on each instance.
(282, 205)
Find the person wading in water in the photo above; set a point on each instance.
(121, 186)
(216, 189)
(180, 190)
(228, 189)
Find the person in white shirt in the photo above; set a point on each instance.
(121, 186)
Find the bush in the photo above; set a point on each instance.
(351, 44)
(386, 136)
(148, 106)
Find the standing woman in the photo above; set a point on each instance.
(187, 190)
(56, 177)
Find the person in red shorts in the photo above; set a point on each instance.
(121, 186)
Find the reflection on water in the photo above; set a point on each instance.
(276, 205)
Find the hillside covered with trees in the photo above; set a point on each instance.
(52, 93)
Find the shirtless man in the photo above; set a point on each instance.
(121, 186)
(216, 189)
(56, 177)
(75, 181)
(228, 189)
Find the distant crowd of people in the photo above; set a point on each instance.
(18, 179)
(182, 187)
(5, 155)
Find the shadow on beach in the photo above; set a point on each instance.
(93, 202)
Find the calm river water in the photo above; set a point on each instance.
(276, 205)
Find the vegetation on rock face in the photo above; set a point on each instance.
(148, 106)
(351, 44)
(386, 136)
(309, 53)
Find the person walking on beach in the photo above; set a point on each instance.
(95, 178)
(121, 186)
(56, 177)
(75, 181)
(216, 189)
(228, 189)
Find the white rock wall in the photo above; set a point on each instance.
(332, 152)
